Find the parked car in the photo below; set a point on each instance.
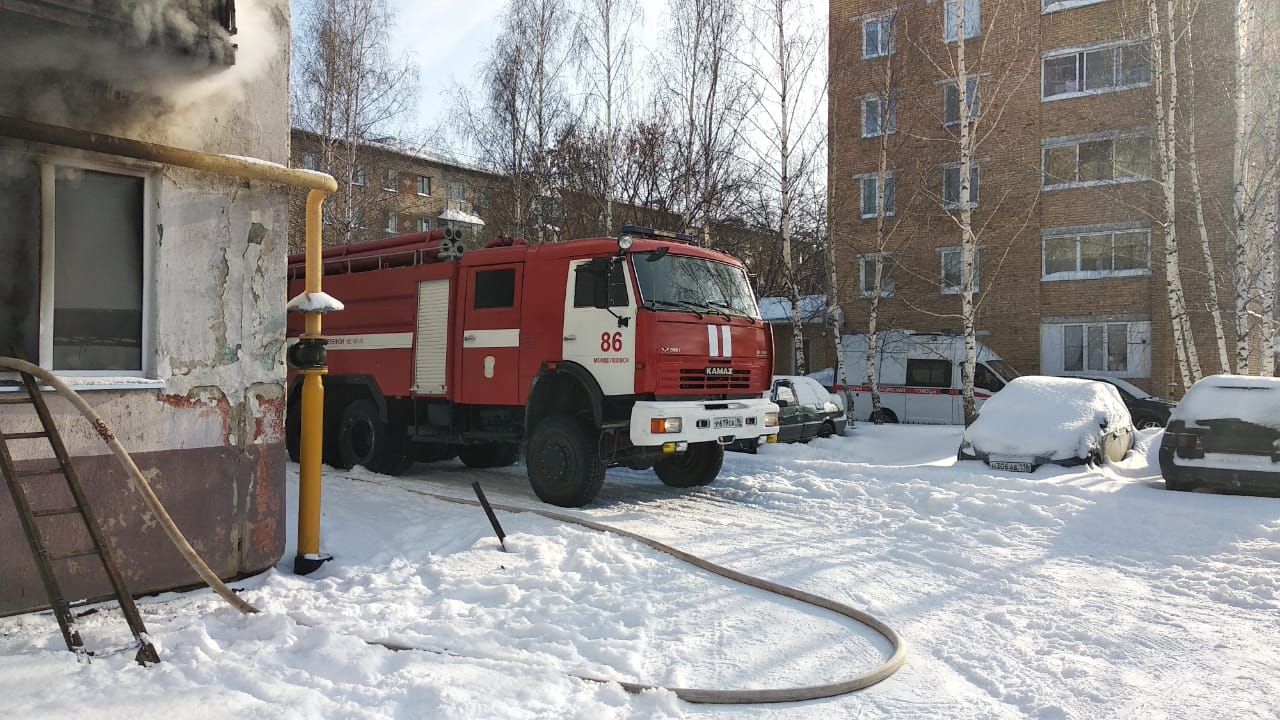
(1037, 419)
(805, 411)
(1147, 410)
(1224, 434)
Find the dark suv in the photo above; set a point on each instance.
(1225, 434)
(1147, 410)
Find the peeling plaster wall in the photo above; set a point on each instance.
(212, 438)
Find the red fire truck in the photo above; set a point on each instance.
(641, 351)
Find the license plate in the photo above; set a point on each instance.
(1011, 466)
(726, 422)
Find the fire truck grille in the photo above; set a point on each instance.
(697, 379)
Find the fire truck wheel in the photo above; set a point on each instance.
(365, 440)
(698, 465)
(489, 455)
(564, 462)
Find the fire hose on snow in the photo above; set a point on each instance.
(692, 695)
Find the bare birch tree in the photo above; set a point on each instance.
(348, 89)
(603, 48)
(782, 62)
(703, 96)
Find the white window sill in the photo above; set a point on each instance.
(424, 194)
(868, 294)
(956, 206)
(957, 291)
(105, 382)
(873, 216)
(1095, 183)
(875, 57)
(1090, 93)
(1095, 274)
(1067, 5)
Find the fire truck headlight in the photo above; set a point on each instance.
(660, 426)
(771, 419)
(624, 242)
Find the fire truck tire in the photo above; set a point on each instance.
(365, 440)
(564, 461)
(698, 465)
(489, 455)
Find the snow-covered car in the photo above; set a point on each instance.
(1147, 410)
(1225, 433)
(1037, 419)
(805, 411)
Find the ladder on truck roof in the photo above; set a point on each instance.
(30, 519)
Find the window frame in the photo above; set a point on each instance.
(424, 180)
(889, 118)
(890, 179)
(1048, 7)
(886, 277)
(887, 42)
(424, 223)
(391, 180)
(947, 16)
(1081, 80)
(975, 104)
(975, 185)
(956, 289)
(1090, 231)
(1086, 346)
(47, 166)
(1075, 142)
(391, 222)
(359, 175)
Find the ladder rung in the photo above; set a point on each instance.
(24, 435)
(74, 554)
(38, 473)
(56, 511)
(15, 400)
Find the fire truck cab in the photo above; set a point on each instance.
(641, 351)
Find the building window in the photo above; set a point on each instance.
(495, 289)
(1048, 6)
(74, 293)
(1095, 70)
(951, 101)
(1097, 161)
(1105, 346)
(867, 273)
(457, 191)
(424, 186)
(972, 19)
(391, 180)
(870, 198)
(357, 175)
(357, 218)
(951, 185)
(327, 215)
(392, 225)
(877, 37)
(424, 224)
(952, 270)
(311, 161)
(879, 114)
(1088, 255)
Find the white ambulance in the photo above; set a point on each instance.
(919, 376)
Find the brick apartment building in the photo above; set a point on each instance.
(1070, 263)
(395, 190)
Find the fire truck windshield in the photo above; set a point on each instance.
(693, 284)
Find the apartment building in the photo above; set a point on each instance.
(391, 189)
(1070, 270)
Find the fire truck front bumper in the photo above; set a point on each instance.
(656, 423)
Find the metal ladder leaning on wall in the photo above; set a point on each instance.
(45, 562)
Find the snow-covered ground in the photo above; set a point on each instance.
(1080, 593)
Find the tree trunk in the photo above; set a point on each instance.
(968, 242)
(1244, 270)
(1193, 159)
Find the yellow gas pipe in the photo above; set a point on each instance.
(321, 186)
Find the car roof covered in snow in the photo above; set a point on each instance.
(1241, 397)
(1057, 418)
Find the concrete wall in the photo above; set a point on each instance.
(208, 429)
